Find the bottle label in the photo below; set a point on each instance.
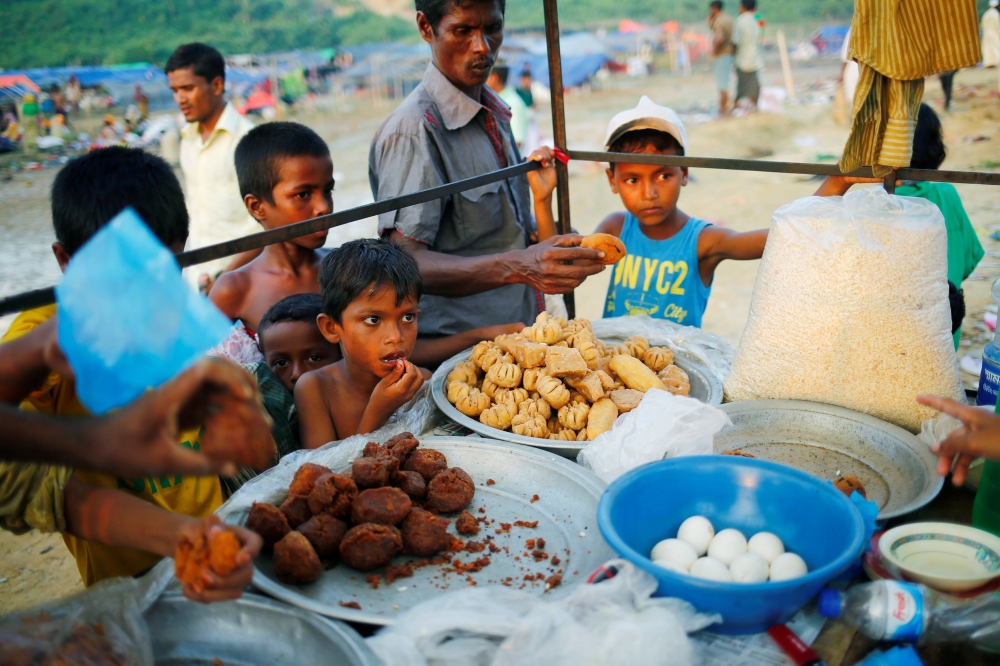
(989, 380)
(905, 620)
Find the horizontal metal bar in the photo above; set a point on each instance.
(969, 177)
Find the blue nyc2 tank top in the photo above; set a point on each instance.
(659, 278)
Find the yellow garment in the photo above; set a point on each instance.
(896, 44)
(212, 192)
(191, 496)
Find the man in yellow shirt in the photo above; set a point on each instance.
(114, 526)
(197, 75)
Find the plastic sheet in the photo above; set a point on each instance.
(708, 348)
(617, 621)
(238, 347)
(127, 320)
(662, 426)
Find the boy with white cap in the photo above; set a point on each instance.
(672, 257)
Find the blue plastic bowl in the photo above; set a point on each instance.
(809, 515)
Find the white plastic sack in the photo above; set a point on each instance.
(709, 349)
(662, 426)
(613, 622)
(851, 308)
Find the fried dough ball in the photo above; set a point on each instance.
(676, 380)
(474, 402)
(479, 350)
(562, 434)
(370, 545)
(529, 378)
(848, 484)
(552, 391)
(426, 462)
(451, 490)
(295, 561)
(574, 415)
(657, 358)
(498, 416)
(386, 506)
(507, 375)
(305, 478)
(543, 330)
(325, 533)
(514, 396)
(372, 472)
(612, 247)
(218, 552)
(465, 372)
(494, 356)
(296, 510)
(466, 524)
(535, 408)
(237, 430)
(410, 483)
(402, 445)
(584, 343)
(269, 522)
(457, 390)
(637, 346)
(333, 494)
(529, 426)
(424, 534)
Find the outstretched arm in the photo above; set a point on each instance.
(717, 244)
(434, 352)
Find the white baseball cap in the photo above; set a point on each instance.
(647, 115)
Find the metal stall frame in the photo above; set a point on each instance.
(46, 296)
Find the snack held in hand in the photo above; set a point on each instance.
(574, 385)
(612, 246)
(217, 552)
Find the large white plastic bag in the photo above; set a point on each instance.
(127, 320)
(851, 308)
(662, 426)
(617, 621)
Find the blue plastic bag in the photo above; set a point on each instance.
(127, 320)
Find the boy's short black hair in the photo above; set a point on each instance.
(367, 264)
(928, 143)
(435, 10)
(260, 153)
(93, 188)
(636, 141)
(205, 61)
(299, 307)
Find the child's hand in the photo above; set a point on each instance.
(979, 437)
(395, 390)
(542, 181)
(213, 587)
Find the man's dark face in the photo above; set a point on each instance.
(466, 41)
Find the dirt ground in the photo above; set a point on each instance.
(30, 572)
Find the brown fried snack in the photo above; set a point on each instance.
(324, 533)
(410, 483)
(295, 561)
(427, 462)
(402, 445)
(612, 246)
(332, 494)
(369, 546)
(848, 484)
(424, 534)
(451, 490)
(269, 522)
(466, 524)
(374, 450)
(371, 472)
(296, 510)
(218, 552)
(223, 547)
(305, 478)
(238, 430)
(386, 506)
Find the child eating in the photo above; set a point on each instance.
(370, 293)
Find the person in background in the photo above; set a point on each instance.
(990, 40)
(197, 75)
(518, 109)
(108, 134)
(849, 73)
(29, 124)
(524, 87)
(721, 25)
(58, 100)
(142, 102)
(73, 94)
(746, 38)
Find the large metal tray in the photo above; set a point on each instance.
(565, 508)
(896, 468)
(252, 631)
(704, 387)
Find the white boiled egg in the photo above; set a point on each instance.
(749, 568)
(788, 566)
(697, 531)
(727, 545)
(671, 566)
(710, 568)
(766, 545)
(679, 552)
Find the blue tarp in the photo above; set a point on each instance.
(93, 76)
(577, 70)
(830, 39)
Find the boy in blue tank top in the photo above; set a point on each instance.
(671, 257)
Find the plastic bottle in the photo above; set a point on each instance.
(907, 612)
(989, 376)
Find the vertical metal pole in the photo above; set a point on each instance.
(889, 182)
(558, 123)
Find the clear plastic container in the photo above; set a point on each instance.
(989, 376)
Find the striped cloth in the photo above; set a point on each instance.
(897, 43)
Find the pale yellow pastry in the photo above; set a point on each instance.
(635, 374)
(601, 418)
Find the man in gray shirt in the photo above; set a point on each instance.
(472, 248)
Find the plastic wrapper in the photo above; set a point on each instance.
(238, 347)
(851, 308)
(709, 349)
(103, 625)
(127, 320)
(662, 426)
(617, 621)
(418, 416)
